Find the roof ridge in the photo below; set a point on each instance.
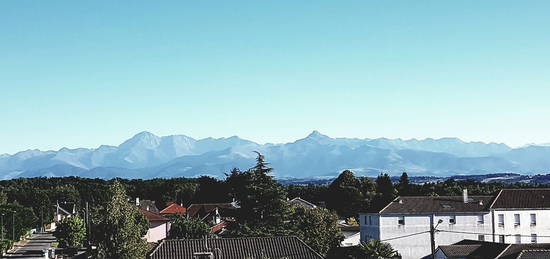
(233, 238)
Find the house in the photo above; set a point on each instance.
(60, 214)
(352, 235)
(246, 247)
(303, 203)
(173, 209)
(508, 217)
(147, 205)
(213, 213)
(467, 249)
(159, 226)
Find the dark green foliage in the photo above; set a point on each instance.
(5, 245)
(188, 228)
(263, 206)
(18, 220)
(346, 196)
(317, 227)
(71, 232)
(404, 187)
(385, 192)
(121, 228)
(376, 249)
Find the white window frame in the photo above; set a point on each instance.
(501, 239)
(452, 220)
(501, 220)
(517, 219)
(481, 237)
(534, 238)
(533, 217)
(401, 220)
(480, 219)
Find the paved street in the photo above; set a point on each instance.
(33, 249)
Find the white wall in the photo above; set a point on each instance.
(158, 230)
(386, 228)
(542, 228)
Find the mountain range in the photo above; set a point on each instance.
(146, 155)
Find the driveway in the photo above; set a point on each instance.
(33, 248)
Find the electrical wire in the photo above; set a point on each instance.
(410, 235)
(479, 233)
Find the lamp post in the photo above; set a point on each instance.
(432, 235)
(2, 224)
(13, 225)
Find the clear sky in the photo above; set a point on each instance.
(85, 73)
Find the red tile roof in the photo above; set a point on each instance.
(173, 208)
(153, 217)
(218, 227)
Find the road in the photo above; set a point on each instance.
(32, 249)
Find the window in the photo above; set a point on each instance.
(518, 238)
(533, 238)
(366, 221)
(480, 219)
(401, 220)
(501, 238)
(517, 221)
(370, 220)
(452, 220)
(501, 220)
(533, 219)
(481, 237)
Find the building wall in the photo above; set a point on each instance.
(158, 230)
(525, 229)
(387, 229)
(351, 239)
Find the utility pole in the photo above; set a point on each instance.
(88, 227)
(432, 234)
(13, 225)
(2, 224)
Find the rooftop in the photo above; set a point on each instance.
(249, 247)
(439, 204)
(173, 208)
(522, 199)
(153, 216)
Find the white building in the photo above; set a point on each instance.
(511, 217)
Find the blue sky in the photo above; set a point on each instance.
(85, 73)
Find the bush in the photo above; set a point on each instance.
(5, 245)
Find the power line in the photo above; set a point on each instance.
(410, 235)
(479, 233)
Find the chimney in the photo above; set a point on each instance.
(465, 195)
(137, 201)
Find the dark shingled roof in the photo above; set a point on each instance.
(522, 199)
(250, 247)
(205, 208)
(153, 216)
(473, 249)
(534, 254)
(441, 204)
(515, 250)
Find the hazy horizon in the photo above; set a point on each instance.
(82, 74)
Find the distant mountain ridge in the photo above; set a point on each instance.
(146, 155)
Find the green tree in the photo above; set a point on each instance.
(18, 220)
(345, 196)
(385, 192)
(188, 228)
(263, 206)
(404, 187)
(71, 232)
(3, 198)
(121, 228)
(376, 249)
(317, 227)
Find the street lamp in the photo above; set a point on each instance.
(2, 224)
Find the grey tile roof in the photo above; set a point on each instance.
(439, 204)
(473, 248)
(237, 248)
(522, 199)
(534, 254)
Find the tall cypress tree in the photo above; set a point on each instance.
(121, 228)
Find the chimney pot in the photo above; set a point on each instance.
(465, 195)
